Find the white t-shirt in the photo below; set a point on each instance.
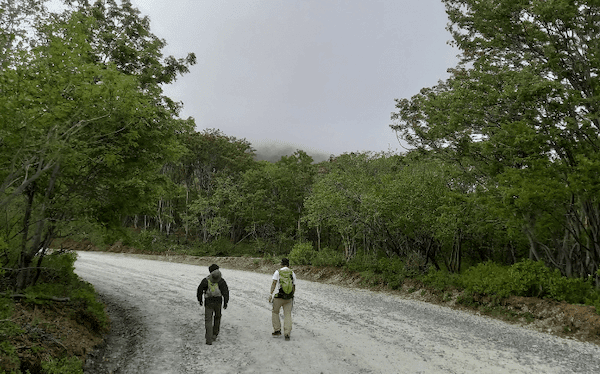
(276, 277)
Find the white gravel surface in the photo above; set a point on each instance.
(159, 328)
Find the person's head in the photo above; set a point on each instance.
(213, 267)
(285, 262)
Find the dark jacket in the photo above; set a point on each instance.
(215, 276)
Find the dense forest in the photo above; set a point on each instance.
(503, 165)
(500, 185)
(504, 160)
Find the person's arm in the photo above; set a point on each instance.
(225, 292)
(201, 288)
(273, 285)
(293, 283)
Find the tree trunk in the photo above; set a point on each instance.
(24, 257)
(27, 255)
(318, 237)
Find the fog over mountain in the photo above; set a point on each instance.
(272, 151)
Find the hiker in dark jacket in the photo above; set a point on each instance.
(215, 292)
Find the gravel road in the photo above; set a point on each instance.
(158, 327)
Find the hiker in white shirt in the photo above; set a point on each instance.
(284, 280)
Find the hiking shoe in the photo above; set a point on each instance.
(214, 338)
(276, 333)
(208, 343)
(287, 337)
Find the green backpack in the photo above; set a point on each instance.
(286, 282)
(213, 289)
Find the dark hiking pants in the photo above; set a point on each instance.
(212, 320)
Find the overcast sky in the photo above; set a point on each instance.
(316, 75)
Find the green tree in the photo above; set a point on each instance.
(521, 112)
(349, 198)
(211, 153)
(273, 197)
(93, 136)
(17, 17)
(212, 161)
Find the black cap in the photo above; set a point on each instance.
(213, 267)
(285, 261)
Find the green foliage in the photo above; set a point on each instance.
(527, 278)
(393, 271)
(530, 278)
(149, 240)
(41, 293)
(84, 230)
(328, 257)
(272, 259)
(269, 200)
(118, 145)
(59, 267)
(572, 290)
(302, 254)
(439, 279)
(57, 278)
(8, 355)
(487, 278)
(89, 311)
(60, 281)
(467, 298)
(390, 271)
(68, 365)
(361, 262)
(221, 247)
(522, 121)
(9, 358)
(6, 307)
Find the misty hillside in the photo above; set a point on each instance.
(273, 152)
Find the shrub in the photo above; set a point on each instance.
(415, 264)
(90, 311)
(393, 271)
(328, 257)
(439, 279)
(42, 293)
(571, 290)
(149, 240)
(59, 267)
(530, 279)
(6, 307)
(220, 247)
(57, 278)
(386, 265)
(594, 300)
(9, 359)
(467, 298)
(361, 262)
(377, 270)
(487, 278)
(302, 254)
(70, 365)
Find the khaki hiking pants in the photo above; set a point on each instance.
(279, 303)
